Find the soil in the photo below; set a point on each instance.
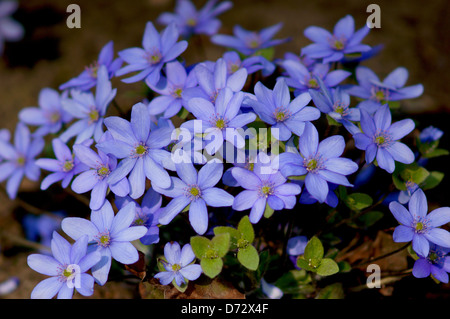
(414, 35)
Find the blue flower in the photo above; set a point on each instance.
(190, 21)
(67, 269)
(95, 178)
(376, 92)
(197, 190)
(212, 77)
(405, 195)
(270, 290)
(437, 263)
(178, 265)
(430, 134)
(296, 247)
(88, 78)
(303, 79)
(10, 29)
(380, 139)
(418, 226)
(249, 42)
(276, 108)
(140, 150)
(49, 116)
(263, 186)
(171, 100)
(333, 47)
(63, 168)
(336, 104)
(147, 214)
(108, 234)
(307, 199)
(320, 162)
(158, 49)
(19, 159)
(219, 121)
(88, 109)
(251, 64)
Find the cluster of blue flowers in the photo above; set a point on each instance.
(157, 171)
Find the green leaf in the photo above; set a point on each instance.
(432, 180)
(313, 252)
(267, 53)
(358, 201)
(295, 281)
(327, 267)
(268, 211)
(221, 244)
(344, 266)
(248, 257)
(333, 291)
(234, 234)
(435, 153)
(398, 183)
(183, 114)
(245, 227)
(181, 288)
(332, 121)
(200, 245)
(419, 175)
(303, 264)
(211, 267)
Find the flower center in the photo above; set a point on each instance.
(54, 117)
(103, 172)
(382, 139)
(93, 69)
(420, 225)
(141, 150)
(21, 160)
(193, 192)
(340, 108)
(266, 190)
(67, 166)
(176, 267)
(177, 93)
(93, 116)
(219, 122)
(253, 41)
(68, 273)
(312, 164)
(281, 114)
(337, 43)
(103, 239)
(234, 67)
(154, 57)
(312, 83)
(379, 94)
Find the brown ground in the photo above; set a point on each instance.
(415, 35)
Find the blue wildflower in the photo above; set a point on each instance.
(158, 49)
(249, 42)
(333, 47)
(67, 269)
(437, 263)
(140, 150)
(376, 92)
(380, 139)
(19, 159)
(63, 168)
(296, 247)
(197, 190)
(95, 178)
(88, 109)
(190, 21)
(430, 134)
(178, 265)
(10, 29)
(49, 116)
(405, 195)
(270, 290)
(109, 234)
(336, 104)
(88, 78)
(212, 77)
(147, 214)
(220, 121)
(171, 100)
(275, 107)
(302, 79)
(418, 226)
(307, 199)
(263, 186)
(251, 64)
(320, 162)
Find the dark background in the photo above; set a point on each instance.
(414, 34)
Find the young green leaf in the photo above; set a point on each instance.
(234, 235)
(246, 229)
(200, 245)
(221, 243)
(327, 267)
(211, 267)
(314, 252)
(248, 257)
(358, 201)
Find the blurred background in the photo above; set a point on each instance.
(415, 35)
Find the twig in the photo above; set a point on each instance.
(382, 256)
(22, 241)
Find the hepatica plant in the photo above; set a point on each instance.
(289, 163)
